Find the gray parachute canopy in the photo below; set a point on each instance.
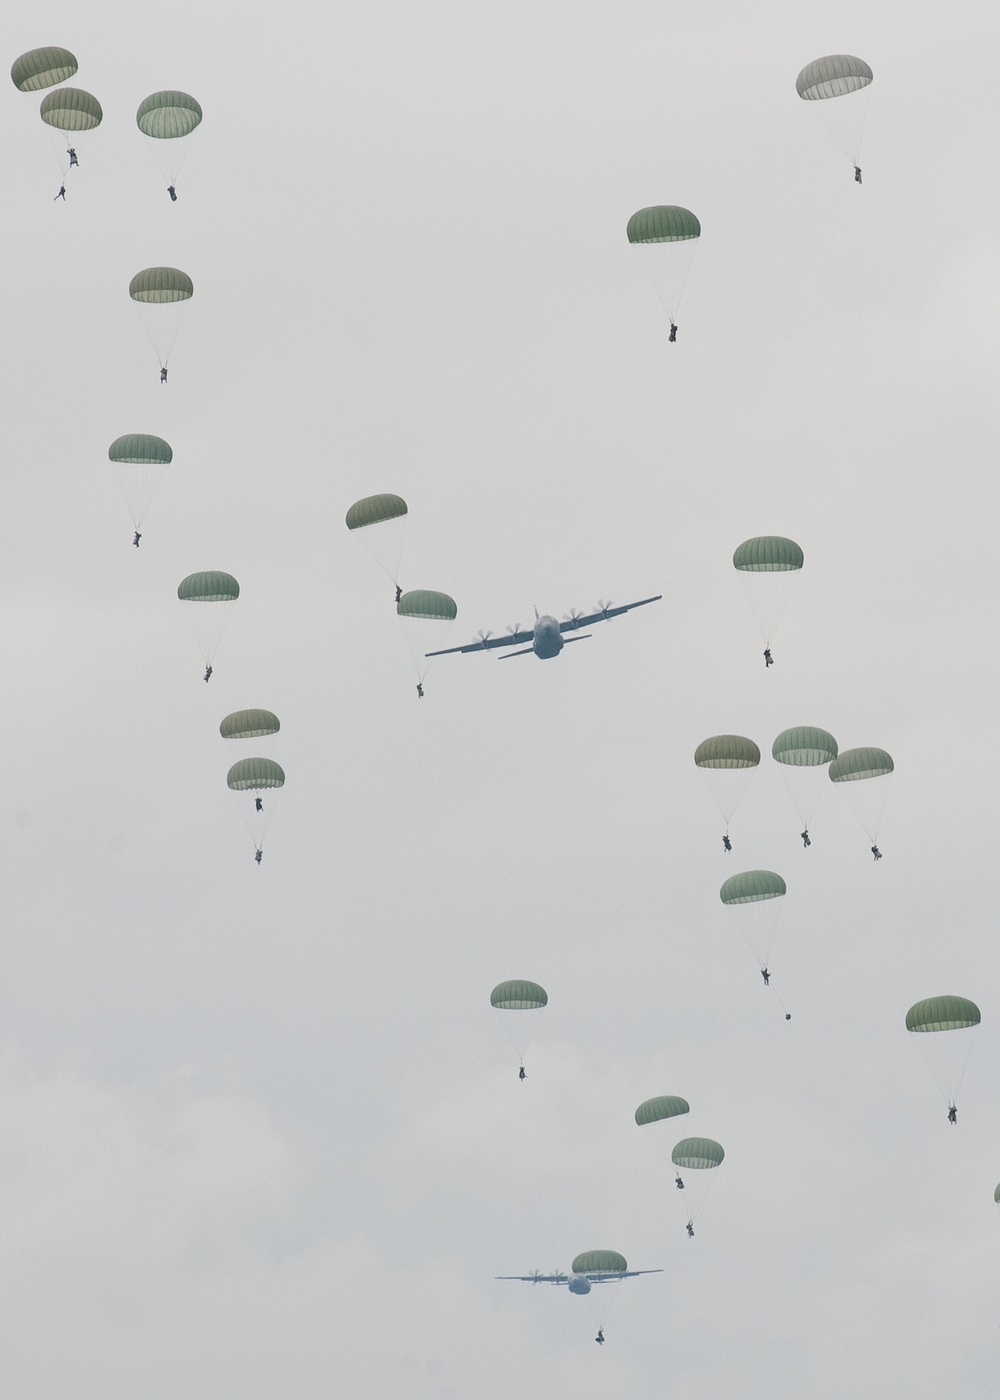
(836, 75)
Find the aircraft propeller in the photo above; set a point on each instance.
(573, 616)
(602, 606)
(536, 1275)
(558, 1275)
(513, 628)
(482, 638)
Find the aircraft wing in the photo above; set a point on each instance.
(571, 624)
(511, 639)
(629, 1273)
(534, 1278)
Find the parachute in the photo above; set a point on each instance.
(837, 89)
(660, 1110)
(803, 753)
(599, 1261)
(769, 565)
(42, 68)
(697, 1154)
(753, 897)
(378, 522)
(727, 762)
(166, 117)
(936, 1022)
(214, 593)
(996, 1195)
(249, 724)
(653, 232)
(256, 776)
(424, 614)
(71, 110)
(656, 1110)
(522, 998)
(140, 460)
(69, 114)
(863, 775)
(162, 294)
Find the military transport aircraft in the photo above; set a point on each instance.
(593, 1266)
(547, 636)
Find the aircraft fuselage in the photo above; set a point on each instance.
(547, 640)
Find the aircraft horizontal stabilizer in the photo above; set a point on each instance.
(578, 639)
(526, 652)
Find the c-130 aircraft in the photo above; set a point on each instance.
(547, 637)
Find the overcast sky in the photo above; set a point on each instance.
(261, 1132)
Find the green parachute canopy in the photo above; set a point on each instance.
(373, 510)
(751, 887)
(727, 751)
(942, 1014)
(519, 996)
(253, 774)
(425, 603)
(168, 115)
(855, 764)
(665, 1106)
(599, 1261)
(768, 554)
(71, 109)
(209, 587)
(996, 1195)
(804, 747)
(663, 223)
(142, 449)
(42, 68)
(156, 285)
(836, 75)
(249, 724)
(697, 1154)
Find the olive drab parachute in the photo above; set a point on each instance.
(70, 115)
(597, 1264)
(42, 68)
(836, 87)
(523, 999)
(996, 1195)
(863, 776)
(71, 110)
(208, 598)
(665, 237)
(140, 460)
(599, 1261)
(161, 294)
(379, 522)
(424, 615)
(250, 778)
(754, 898)
(701, 1155)
(939, 1024)
(660, 1108)
(803, 753)
(166, 118)
(769, 566)
(168, 115)
(249, 724)
(727, 762)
